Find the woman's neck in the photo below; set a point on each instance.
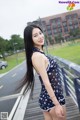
(39, 47)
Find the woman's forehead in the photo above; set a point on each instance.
(35, 30)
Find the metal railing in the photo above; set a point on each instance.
(18, 110)
(17, 105)
(70, 74)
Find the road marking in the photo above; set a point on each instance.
(14, 75)
(1, 86)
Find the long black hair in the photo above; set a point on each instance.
(28, 42)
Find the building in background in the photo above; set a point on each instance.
(59, 25)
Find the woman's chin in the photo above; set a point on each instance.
(41, 43)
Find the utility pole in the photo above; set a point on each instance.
(44, 34)
(15, 52)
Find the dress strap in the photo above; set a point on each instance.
(35, 49)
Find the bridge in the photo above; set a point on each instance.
(27, 108)
(70, 74)
(33, 112)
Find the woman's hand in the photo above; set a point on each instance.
(59, 111)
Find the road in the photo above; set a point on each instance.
(8, 85)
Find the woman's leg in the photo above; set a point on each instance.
(54, 116)
(52, 113)
(47, 115)
(64, 108)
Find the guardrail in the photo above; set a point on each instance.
(70, 74)
(15, 113)
(18, 110)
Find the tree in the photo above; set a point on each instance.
(74, 32)
(46, 39)
(17, 42)
(59, 38)
(2, 46)
(50, 40)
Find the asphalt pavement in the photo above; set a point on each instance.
(8, 84)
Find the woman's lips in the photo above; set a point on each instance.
(41, 41)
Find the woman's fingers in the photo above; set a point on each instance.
(60, 112)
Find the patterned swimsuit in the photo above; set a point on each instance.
(45, 101)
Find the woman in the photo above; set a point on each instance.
(51, 98)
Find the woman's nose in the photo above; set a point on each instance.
(40, 36)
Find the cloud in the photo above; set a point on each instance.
(14, 14)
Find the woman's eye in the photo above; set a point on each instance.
(40, 33)
(35, 35)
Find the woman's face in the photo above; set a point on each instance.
(37, 37)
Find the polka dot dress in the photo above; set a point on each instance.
(45, 101)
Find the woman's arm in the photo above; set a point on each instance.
(38, 62)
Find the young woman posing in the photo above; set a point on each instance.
(51, 99)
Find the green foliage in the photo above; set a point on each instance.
(2, 46)
(17, 42)
(74, 32)
(12, 45)
(50, 40)
(46, 39)
(58, 38)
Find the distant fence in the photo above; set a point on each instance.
(70, 74)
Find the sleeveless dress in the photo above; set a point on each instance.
(45, 101)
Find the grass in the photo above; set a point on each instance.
(69, 51)
(13, 60)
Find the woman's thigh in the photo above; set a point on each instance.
(54, 116)
(52, 112)
(47, 115)
(64, 108)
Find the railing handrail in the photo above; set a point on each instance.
(18, 110)
(16, 103)
(10, 96)
(20, 97)
(71, 78)
(70, 65)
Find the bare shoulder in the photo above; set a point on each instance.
(37, 57)
(38, 61)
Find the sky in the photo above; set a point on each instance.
(14, 14)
